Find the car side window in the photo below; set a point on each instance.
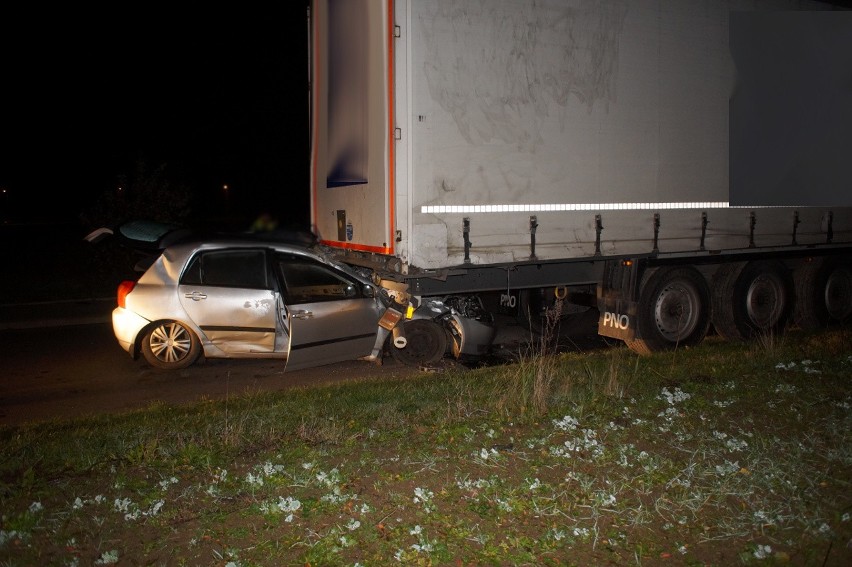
(307, 281)
(228, 268)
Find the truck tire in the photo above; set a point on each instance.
(426, 343)
(673, 310)
(823, 293)
(752, 299)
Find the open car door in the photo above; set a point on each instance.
(331, 316)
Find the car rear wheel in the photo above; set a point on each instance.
(169, 345)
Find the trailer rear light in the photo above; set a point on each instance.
(124, 288)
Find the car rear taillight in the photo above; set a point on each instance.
(124, 288)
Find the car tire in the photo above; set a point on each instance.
(169, 345)
(427, 343)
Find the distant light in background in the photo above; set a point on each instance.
(225, 200)
(8, 201)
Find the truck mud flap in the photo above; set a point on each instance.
(618, 300)
(617, 320)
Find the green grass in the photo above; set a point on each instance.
(718, 455)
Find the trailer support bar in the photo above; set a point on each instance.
(598, 229)
(533, 227)
(466, 235)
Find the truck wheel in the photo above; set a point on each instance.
(427, 343)
(751, 299)
(673, 310)
(823, 293)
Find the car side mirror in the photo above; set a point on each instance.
(368, 291)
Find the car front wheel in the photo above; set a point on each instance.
(169, 345)
(427, 343)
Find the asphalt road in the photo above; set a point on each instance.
(60, 360)
(46, 314)
(77, 370)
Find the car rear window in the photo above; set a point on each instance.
(229, 268)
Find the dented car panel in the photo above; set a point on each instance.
(244, 296)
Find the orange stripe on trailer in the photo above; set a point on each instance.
(314, 120)
(357, 247)
(391, 140)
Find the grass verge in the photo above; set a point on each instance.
(718, 455)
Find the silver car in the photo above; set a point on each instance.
(246, 296)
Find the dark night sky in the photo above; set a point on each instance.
(219, 98)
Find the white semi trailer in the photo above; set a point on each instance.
(645, 158)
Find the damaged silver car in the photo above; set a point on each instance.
(267, 295)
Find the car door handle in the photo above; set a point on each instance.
(196, 296)
(301, 314)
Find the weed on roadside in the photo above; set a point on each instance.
(733, 454)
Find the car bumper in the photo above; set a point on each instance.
(472, 337)
(126, 326)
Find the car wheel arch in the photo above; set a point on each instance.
(198, 344)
